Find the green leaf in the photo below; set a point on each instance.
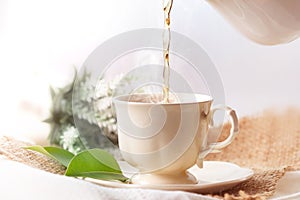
(52, 92)
(48, 120)
(62, 156)
(104, 175)
(95, 163)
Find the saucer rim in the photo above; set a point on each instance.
(200, 187)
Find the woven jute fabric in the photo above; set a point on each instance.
(268, 143)
(14, 150)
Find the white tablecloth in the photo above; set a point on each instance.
(18, 181)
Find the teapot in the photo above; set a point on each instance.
(267, 22)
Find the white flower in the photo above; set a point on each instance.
(69, 140)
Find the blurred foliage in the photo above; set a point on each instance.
(91, 107)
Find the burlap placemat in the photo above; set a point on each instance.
(13, 150)
(270, 140)
(268, 143)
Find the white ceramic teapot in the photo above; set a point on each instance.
(267, 22)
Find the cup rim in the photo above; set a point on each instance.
(195, 98)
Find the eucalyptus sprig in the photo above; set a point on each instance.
(93, 163)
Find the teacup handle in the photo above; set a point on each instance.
(233, 130)
(216, 147)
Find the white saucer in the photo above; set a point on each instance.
(215, 177)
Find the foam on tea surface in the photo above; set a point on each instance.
(152, 98)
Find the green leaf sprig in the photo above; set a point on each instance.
(93, 163)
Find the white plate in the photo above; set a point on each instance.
(215, 177)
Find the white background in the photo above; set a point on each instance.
(40, 42)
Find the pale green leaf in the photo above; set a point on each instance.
(103, 175)
(62, 156)
(95, 163)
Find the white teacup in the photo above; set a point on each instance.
(163, 140)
